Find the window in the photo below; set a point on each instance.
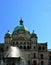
(2, 49)
(13, 43)
(39, 48)
(20, 47)
(34, 62)
(34, 47)
(34, 55)
(27, 42)
(49, 52)
(13, 63)
(7, 47)
(24, 47)
(20, 42)
(43, 48)
(24, 43)
(49, 57)
(16, 42)
(49, 63)
(17, 45)
(0, 56)
(42, 63)
(28, 47)
(41, 56)
(28, 62)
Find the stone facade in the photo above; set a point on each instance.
(35, 53)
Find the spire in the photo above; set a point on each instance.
(21, 22)
(33, 32)
(8, 31)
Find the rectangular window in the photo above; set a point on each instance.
(41, 56)
(49, 63)
(34, 55)
(42, 63)
(49, 57)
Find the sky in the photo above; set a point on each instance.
(36, 15)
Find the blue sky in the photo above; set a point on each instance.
(35, 13)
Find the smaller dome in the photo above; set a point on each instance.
(7, 34)
(33, 34)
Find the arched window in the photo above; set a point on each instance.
(34, 47)
(39, 48)
(0, 56)
(27, 42)
(41, 56)
(24, 43)
(17, 45)
(20, 42)
(34, 62)
(20, 47)
(24, 47)
(2, 49)
(7, 47)
(13, 43)
(49, 57)
(42, 63)
(34, 55)
(43, 48)
(49, 63)
(13, 63)
(28, 62)
(16, 42)
(28, 47)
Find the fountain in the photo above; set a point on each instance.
(14, 57)
(13, 51)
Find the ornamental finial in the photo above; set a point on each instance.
(33, 32)
(8, 31)
(21, 22)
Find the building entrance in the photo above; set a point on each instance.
(34, 62)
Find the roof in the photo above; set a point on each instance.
(8, 34)
(21, 26)
(34, 35)
(49, 50)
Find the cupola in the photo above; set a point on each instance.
(7, 35)
(7, 38)
(33, 35)
(21, 27)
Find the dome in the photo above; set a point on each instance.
(21, 27)
(7, 34)
(33, 34)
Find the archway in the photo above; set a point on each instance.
(34, 62)
(13, 63)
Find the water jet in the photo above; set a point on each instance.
(14, 57)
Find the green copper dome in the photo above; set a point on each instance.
(21, 27)
(8, 34)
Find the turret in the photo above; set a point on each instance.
(7, 38)
(34, 37)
